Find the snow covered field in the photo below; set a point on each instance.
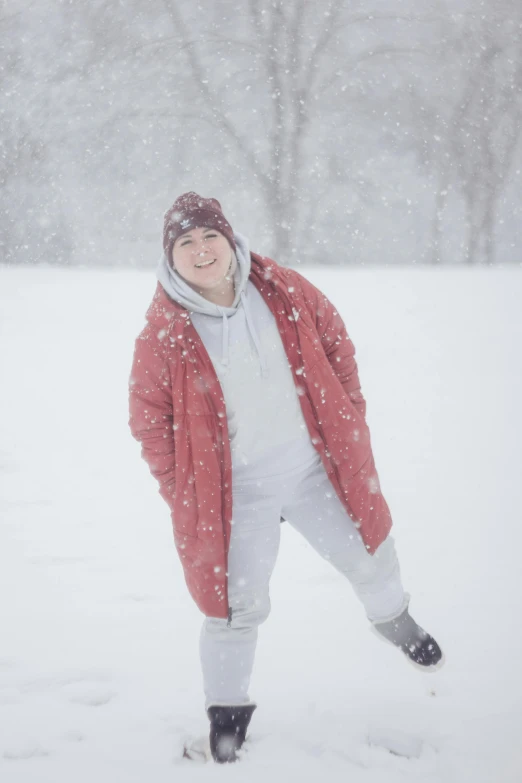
(99, 674)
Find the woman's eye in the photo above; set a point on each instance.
(210, 236)
(185, 242)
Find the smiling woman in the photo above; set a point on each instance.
(206, 261)
(245, 396)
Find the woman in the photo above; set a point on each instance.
(245, 396)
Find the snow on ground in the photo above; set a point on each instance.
(99, 675)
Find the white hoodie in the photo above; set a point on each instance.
(268, 433)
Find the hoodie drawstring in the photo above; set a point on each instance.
(224, 342)
(255, 339)
(225, 349)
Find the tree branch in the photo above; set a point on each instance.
(201, 84)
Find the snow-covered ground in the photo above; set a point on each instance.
(99, 675)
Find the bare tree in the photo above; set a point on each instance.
(310, 111)
(487, 129)
(296, 53)
(32, 229)
(468, 129)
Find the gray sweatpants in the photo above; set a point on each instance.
(307, 500)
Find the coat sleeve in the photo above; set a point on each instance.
(150, 408)
(336, 343)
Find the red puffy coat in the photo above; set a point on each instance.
(177, 412)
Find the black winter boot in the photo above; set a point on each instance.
(228, 726)
(415, 643)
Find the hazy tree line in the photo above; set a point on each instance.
(332, 131)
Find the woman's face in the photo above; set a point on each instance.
(203, 257)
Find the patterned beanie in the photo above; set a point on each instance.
(193, 211)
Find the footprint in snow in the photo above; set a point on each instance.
(22, 752)
(138, 598)
(73, 736)
(89, 694)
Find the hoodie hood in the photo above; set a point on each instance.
(180, 291)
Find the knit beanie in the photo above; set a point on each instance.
(193, 211)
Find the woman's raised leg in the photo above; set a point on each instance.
(316, 512)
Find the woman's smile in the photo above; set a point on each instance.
(205, 263)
